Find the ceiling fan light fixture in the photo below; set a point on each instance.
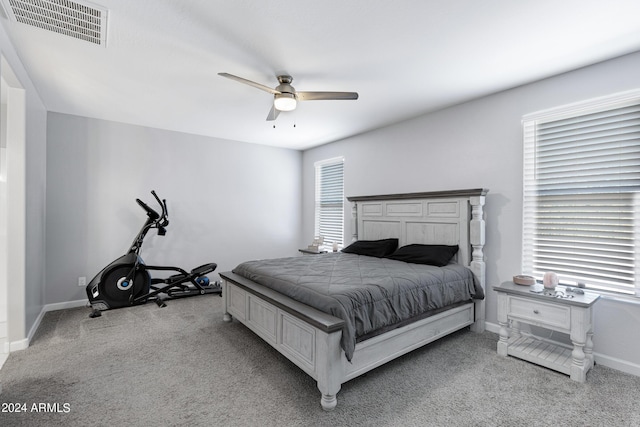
(285, 102)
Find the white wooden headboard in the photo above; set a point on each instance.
(439, 217)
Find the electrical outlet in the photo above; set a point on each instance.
(82, 281)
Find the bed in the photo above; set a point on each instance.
(332, 347)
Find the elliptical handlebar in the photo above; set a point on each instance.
(160, 220)
(150, 211)
(165, 211)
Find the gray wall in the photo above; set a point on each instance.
(31, 299)
(228, 201)
(35, 200)
(479, 144)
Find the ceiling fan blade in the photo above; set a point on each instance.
(273, 114)
(250, 83)
(312, 96)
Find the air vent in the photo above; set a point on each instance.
(82, 21)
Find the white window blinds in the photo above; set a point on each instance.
(581, 194)
(329, 221)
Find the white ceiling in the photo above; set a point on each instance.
(404, 58)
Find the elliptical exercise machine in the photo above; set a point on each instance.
(126, 281)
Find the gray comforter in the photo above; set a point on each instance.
(368, 293)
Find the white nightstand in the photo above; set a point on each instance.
(310, 252)
(571, 315)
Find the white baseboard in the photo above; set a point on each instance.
(4, 343)
(492, 327)
(599, 358)
(18, 345)
(618, 364)
(65, 305)
(3, 358)
(24, 343)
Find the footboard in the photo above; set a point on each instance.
(311, 339)
(307, 337)
(383, 348)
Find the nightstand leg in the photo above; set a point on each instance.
(578, 367)
(503, 321)
(588, 350)
(581, 337)
(504, 338)
(515, 329)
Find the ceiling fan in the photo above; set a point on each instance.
(285, 96)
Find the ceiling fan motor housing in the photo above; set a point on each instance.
(285, 85)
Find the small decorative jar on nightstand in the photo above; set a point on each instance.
(563, 310)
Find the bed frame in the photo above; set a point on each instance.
(311, 338)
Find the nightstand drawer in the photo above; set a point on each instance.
(540, 313)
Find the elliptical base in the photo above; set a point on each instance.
(97, 307)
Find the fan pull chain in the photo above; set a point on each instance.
(294, 125)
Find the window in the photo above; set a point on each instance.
(329, 221)
(582, 194)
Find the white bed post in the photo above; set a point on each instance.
(477, 265)
(226, 316)
(354, 222)
(330, 372)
